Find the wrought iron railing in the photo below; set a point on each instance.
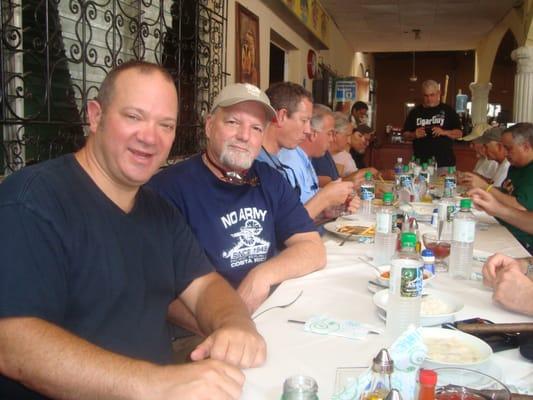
(55, 53)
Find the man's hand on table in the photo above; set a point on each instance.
(512, 288)
(202, 380)
(237, 343)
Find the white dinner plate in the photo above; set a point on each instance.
(334, 225)
(381, 300)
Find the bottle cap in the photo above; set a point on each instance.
(427, 253)
(427, 377)
(388, 197)
(465, 203)
(394, 395)
(406, 168)
(300, 384)
(408, 239)
(450, 170)
(368, 175)
(424, 165)
(382, 362)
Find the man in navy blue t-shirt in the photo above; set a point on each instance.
(246, 216)
(91, 261)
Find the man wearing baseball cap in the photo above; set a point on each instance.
(245, 214)
(494, 150)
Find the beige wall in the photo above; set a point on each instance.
(340, 57)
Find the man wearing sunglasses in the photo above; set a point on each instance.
(246, 216)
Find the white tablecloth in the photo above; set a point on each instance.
(340, 291)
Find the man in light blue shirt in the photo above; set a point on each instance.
(294, 126)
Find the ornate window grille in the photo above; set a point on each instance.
(55, 53)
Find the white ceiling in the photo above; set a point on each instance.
(387, 25)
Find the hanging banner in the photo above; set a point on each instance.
(345, 92)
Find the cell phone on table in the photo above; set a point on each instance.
(497, 341)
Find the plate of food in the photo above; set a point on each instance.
(436, 309)
(453, 348)
(351, 230)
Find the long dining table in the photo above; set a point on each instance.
(341, 291)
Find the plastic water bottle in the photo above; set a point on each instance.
(300, 387)
(406, 184)
(367, 193)
(405, 288)
(450, 183)
(463, 235)
(385, 237)
(424, 173)
(398, 169)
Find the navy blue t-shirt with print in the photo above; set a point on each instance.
(72, 257)
(238, 226)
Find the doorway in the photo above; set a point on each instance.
(277, 64)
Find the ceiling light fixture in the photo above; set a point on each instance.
(413, 77)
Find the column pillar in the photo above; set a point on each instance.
(523, 84)
(480, 102)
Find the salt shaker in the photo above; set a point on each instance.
(300, 387)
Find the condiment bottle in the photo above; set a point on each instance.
(380, 383)
(394, 395)
(300, 387)
(427, 379)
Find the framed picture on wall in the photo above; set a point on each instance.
(247, 46)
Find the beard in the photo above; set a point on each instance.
(234, 159)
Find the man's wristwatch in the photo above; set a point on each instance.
(529, 270)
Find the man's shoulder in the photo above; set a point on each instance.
(49, 176)
(176, 173)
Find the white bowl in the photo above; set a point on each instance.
(381, 299)
(453, 348)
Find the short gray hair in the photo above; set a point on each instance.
(430, 84)
(319, 112)
(341, 121)
(522, 132)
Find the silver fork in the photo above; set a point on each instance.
(281, 306)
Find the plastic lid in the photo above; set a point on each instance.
(408, 239)
(450, 170)
(465, 203)
(406, 168)
(427, 253)
(388, 197)
(368, 175)
(424, 165)
(427, 377)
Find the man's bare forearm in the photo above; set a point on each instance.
(506, 199)
(316, 204)
(523, 220)
(304, 253)
(214, 303)
(56, 363)
(180, 315)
